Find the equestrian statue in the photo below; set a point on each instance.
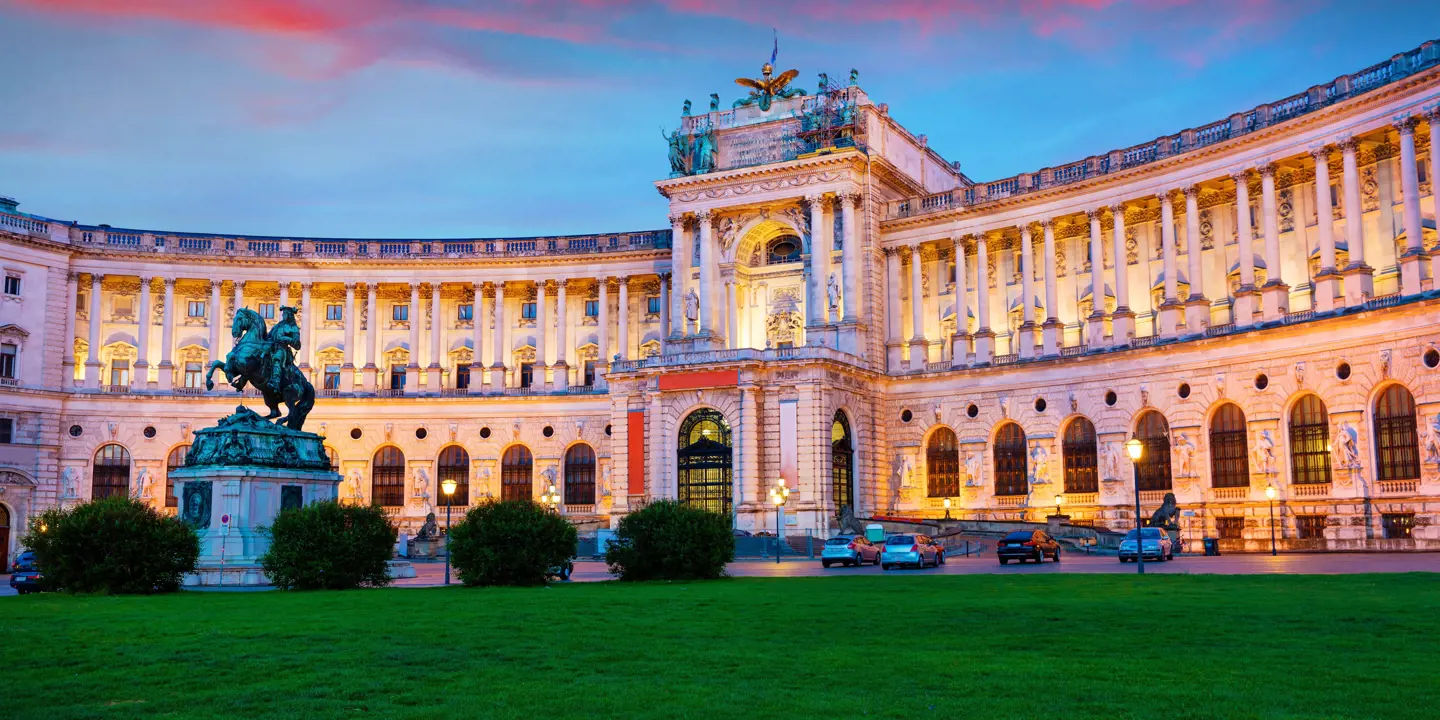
(265, 360)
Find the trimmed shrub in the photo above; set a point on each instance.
(114, 545)
(510, 542)
(329, 546)
(666, 540)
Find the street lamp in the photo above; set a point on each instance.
(778, 495)
(447, 486)
(1136, 449)
(1059, 500)
(947, 508)
(1270, 495)
(551, 498)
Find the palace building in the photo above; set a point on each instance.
(833, 305)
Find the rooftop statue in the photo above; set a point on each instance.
(265, 359)
(767, 89)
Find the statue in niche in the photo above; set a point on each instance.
(832, 292)
(357, 485)
(1264, 453)
(605, 482)
(422, 485)
(974, 470)
(905, 466)
(1039, 465)
(692, 306)
(141, 489)
(72, 483)
(1345, 447)
(1431, 441)
(1184, 455)
(1111, 455)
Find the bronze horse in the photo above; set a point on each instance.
(253, 361)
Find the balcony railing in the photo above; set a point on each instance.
(1398, 487)
(1230, 493)
(1310, 490)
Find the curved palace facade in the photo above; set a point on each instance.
(834, 306)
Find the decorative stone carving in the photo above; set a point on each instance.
(1039, 465)
(1112, 464)
(974, 470)
(140, 487)
(1185, 455)
(1430, 441)
(70, 479)
(1345, 447)
(1385, 363)
(1264, 453)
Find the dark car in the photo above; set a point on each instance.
(25, 577)
(1025, 545)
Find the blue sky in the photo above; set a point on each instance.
(438, 118)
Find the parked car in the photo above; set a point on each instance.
(1155, 545)
(849, 550)
(914, 550)
(25, 576)
(1025, 545)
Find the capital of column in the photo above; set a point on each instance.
(1266, 170)
(1348, 143)
(664, 277)
(705, 216)
(1047, 224)
(815, 198)
(622, 280)
(1320, 152)
(1191, 191)
(96, 278)
(1095, 213)
(1166, 197)
(849, 196)
(677, 220)
(1406, 124)
(350, 287)
(146, 280)
(306, 286)
(1241, 175)
(890, 251)
(169, 283)
(1118, 209)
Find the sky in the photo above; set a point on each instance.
(448, 118)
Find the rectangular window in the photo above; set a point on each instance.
(193, 377)
(397, 377)
(335, 311)
(1230, 528)
(527, 311)
(332, 377)
(120, 372)
(652, 305)
(400, 313)
(592, 308)
(1310, 527)
(465, 311)
(12, 285)
(196, 309)
(9, 353)
(7, 431)
(527, 374)
(462, 376)
(589, 373)
(267, 310)
(124, 305)
(1398, 526)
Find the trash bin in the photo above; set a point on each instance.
(1212, 547)
(875, 533)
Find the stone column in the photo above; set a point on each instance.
(602, 364)
(623, 326)
(497, 370)
(72, 293)
(1275, 296)
(1245, 296)
(1095, 324)
(213, 318)
(167, 338)
(918, 344)
(372, 339)
(1359, 277)
(417, 319)
(1413, 256)
(307, 330)
(1432, 116)
(477, 336)
(850, 258)
(892, 308)
(732, 321)
(819, 311)
(1170, 307)
(92, 358)
(432, 373)
(140, 373)
(1122, 322)
(1327, 279)
(347, 371)
(542, 327)
(667, 314)
(984, 336)
(1197, 306)
(1051, 330)
(749, 476)
(561, 369)
(284, 295)
(707, 276)
(1027, 293)
(960, 341)
(680, 269)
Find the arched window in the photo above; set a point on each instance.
(942, 463)
(4, 537)
(580, 475)
(1229, 449)
(387, 477)
(334, 459)
(1154, 433)
(454, 464)
(1010, 461)
(1309, 435)
(1078, 448)
(516, 467)
(174, 461)
(1397, 449)
(704, 460)
(784, 249)
(842, 462)
(110, 475)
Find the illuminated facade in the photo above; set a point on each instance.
(835, 305)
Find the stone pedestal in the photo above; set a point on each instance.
(433, 374)
(984, 346)
(1050, 336)
(848, 337)
(560, 376)
(477, 379)
(412, 379)
(1244, 306)
(1275, 300)
(166, 376)
(959, 350)
(1025, 339)
(1197, 315)
(1327, 282)
(1122, 327)
(368, 377)
(1359, 284)
(497, 379)
(1170, 318)
(1095, 330)
(919, 354)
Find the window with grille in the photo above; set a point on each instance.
(454, 464)
(1398, 526)
(589, 373)
(784, 249)
(174, 461)
(942, 463)
(387, 477)
(1010, 461)
(334, 458)
(842, 462)
(1229, 451)
(1310, 527)
(397, 376)
(1230, 528)
(515, 474)
(110, 473)
(1154, 434)
(1079, 449)
(652, 305)
(1397, 449)
(579, 475)
(704, 462)
(1309, 441)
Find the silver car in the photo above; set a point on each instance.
(849, 550)
(1154, 545)
(914, 550)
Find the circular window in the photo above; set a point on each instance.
(76, 431)
(1342, 371)
(906, 416)
(1431, 358)
(973, 410)
(1039, 404)
(149, 431)
(1184, 390)
(1111, 397)
(355, 433)
(1262, 381)
(547, 431)
(484, 432)
(607, 429)
(420, 433)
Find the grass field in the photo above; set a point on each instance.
(981, 647)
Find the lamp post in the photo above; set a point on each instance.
(447, 486)
(1136, 449)
(947, 508)
(551, 498)
(1270, 495)
(778, 495)
(1059, 500)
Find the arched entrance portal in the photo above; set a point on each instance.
(704, 462)
(4, 538)
(842, 463)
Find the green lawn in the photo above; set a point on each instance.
(975, 647)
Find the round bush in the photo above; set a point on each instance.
(510, 542)
(114, 545)
(666, 540)
(329, 546)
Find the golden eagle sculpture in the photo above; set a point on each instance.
(768, 89)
